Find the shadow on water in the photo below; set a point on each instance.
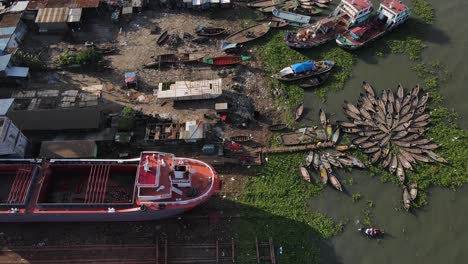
(217, 219)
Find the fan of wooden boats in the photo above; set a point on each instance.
(162, 38)
(225, 60)
(298, 112)
(205, 31)
(248, 34)
(389, 128)
(304, 70)
(241, 138)
(314, 81)
(277, 127)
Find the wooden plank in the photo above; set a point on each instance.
(233, 252)
(258, 252)
(165, 251)
(157, 251)
(272, 251)
(217, 251)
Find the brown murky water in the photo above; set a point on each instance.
(435, 233)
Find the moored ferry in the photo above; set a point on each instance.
(348, 13)
(391, 13)
(156, 185)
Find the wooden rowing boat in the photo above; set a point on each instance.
(413, 191)
(225, 60)
(334, 182)
(315, 81)
(248, 34)
(295, 138)
(162, 38)
(241, 138)
(260, 3)
(304, 173)
(292, 18)
(201, 30)
(299, 111)
(274, 22)
(277, 127)
(323, 174)
(309, 158)
(406, 199)
(304, 70)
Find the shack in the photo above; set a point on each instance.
(68, 149)
(8, 71)
(190, 90)
(12, 32)
(12, 141)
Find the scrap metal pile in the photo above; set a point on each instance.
(323, 159)
(390, 128)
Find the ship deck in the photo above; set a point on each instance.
(87, 184)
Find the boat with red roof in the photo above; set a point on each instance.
(348, 13)
(156, 185)
(390, 14)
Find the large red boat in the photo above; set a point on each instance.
(348, 13)
(156, 185)
(391, 13)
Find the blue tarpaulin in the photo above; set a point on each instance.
(303, 66)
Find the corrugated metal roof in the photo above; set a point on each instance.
(19, 6)
(4, 43)
(52, 15)
(4, 60)
(7, 31)
(5, 105)
(74, 15)
(38, 4)
(10, 19)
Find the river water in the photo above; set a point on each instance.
(435, 233)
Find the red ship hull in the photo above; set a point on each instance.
(101, 190)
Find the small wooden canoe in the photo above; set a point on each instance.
(315, 81)
(406, 199)
(323, 174)
(304, 70)
(309, 158)
(336, 136)
(260, 3)
(248, 34)
(304, 173)
(201, 30)
(413, 191)
(323, 118)
(291, 139)
(277, 127)
(299, 111)
(225, 60)
(274, 23)
(242, 138)
(334, 182)
(162, 38)
(321, 5)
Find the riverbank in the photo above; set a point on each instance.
(280, 170)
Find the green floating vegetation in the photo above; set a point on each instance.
(356, 197)
(276, 55)
(276, 206)
(410, 45)
(424, 11)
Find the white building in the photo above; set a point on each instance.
(12, 142)
(190, 90)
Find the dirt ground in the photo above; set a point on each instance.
(136, 46)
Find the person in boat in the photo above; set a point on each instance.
(371, 232)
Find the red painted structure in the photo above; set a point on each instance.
(154, 186)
